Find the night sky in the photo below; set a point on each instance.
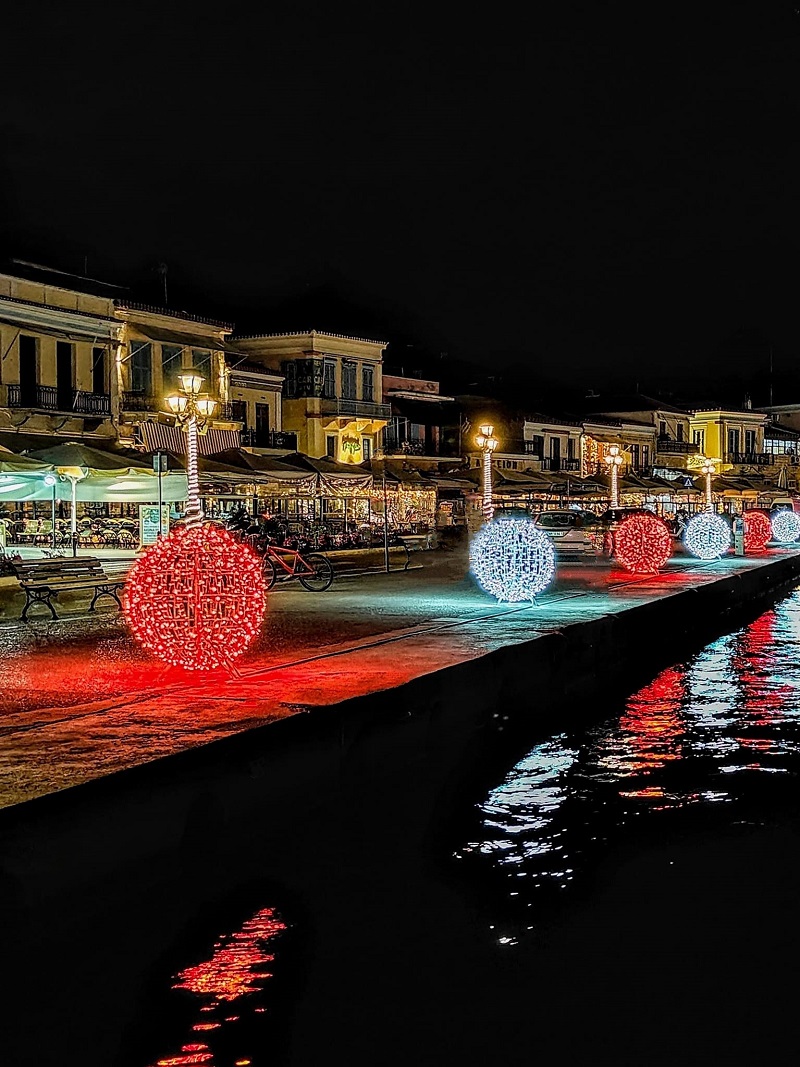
(596, 198)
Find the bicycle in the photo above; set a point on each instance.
(313, 571)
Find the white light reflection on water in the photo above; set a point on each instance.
(693, 737)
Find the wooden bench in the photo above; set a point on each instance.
(43, 579)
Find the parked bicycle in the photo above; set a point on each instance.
(312, 570)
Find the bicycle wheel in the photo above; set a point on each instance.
(268, 568)
(323, 573)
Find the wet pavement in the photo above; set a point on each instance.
(79, 699)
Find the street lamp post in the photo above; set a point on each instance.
(192, 411)
(708, 469)
(614, 460)
(51, 480)
(487, 443)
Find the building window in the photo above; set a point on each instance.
(329, 380)
(99, 379)
(570, 448)
(331, 445)
(749, 440)
(28, 369)
(634, 450)
(171, 366)
(141, 367)
(304, 377)
(537, 446)
(662, 429)
(733, 441)
(348, 381)
(645, 456)
(366, 449)
(699, 438)
(680, 431)
(202, 361)
(290, 380)
(367, 383)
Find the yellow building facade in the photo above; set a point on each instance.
(733, 438)
(332, 390)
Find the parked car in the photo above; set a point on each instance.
(573, 532)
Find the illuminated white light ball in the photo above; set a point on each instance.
(512, 560)
(707, 535)
(785, 526)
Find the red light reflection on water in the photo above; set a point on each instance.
(652, 728)
(235, 969)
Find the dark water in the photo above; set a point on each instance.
(623, 894)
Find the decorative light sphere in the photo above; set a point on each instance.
(707, 535)
(785, 526)
(196, 598)
(642, 542)
(757, 530)
(512, 560)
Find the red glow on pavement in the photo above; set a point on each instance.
(642, 543)
(196, 598)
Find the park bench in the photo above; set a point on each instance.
(43, 579)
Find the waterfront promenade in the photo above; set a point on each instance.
(78, 701)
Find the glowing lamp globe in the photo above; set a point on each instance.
(707, 535)
(196, 598)
(785, 526)
(512, 560)
(642, 542)
(757, 530)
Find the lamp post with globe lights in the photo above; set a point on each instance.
(709, 467)
(487, 443)
(196, 598)
(614, 460)
(192, 410)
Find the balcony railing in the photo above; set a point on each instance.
(667, 446)
(362, 408)
(752, 459)
(50, 398)
(91, 403)
(269, 439)
(134, 401)
(549, 463)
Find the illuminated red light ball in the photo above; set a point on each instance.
(196, 598)
(642, 543)
(757, 530)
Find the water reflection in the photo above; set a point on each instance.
(238, 967)
(686, 739)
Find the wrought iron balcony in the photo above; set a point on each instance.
(551, 464)
(135, 401)
(269, 439)
(91, 403)
(667, 446)
(364, 409)
(751, 459)
(50, 398)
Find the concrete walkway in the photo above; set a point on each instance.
(79, 700)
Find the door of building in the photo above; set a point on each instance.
(262, 425)
(64, 378)
(555, 453)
